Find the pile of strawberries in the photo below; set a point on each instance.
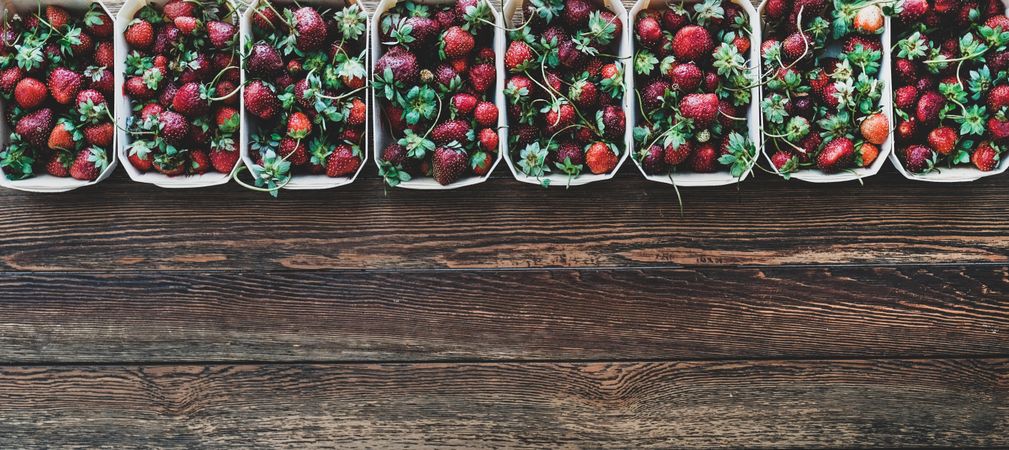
(951, 95)
(182, 75)
(435, 83)
(823, 111)
(693, 80)
(565, 89)
(55, 77)
(306, 75)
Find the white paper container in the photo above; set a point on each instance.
(302, 181)
(814, 175)
(624, 52)
(960, 174)
(382, 135)
(124, 108)
(720, 178)
(43, 182)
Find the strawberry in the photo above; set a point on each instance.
(450, 131)
(187, 25)
(675, 156)
(35, 127)
(89, 164)
(62, 137)
(448, 165)
(140, 157)
(358, 112)
(652, 160)
(907, 129)
(139, 34)
(488, 140)
(569, 152)
(704, 159)
(796, 45)
(943, 140)
(614, 122)
(223, 161)
(105, 54)
(998, 97)
(855, 41)
(600, 158)
(199, 162)
(648, 31)
(583, 93)
(868, 153)
(701, 108)
(482, 77)
(869, 19)
(191, 100)
(985, 158)
(57, 16)
(912, 11)
(481, 163)
(576, 13)
(929, 105)
(30, 93)
(486, 114)
(100, 135)
(98, 23)
(905, 97)
(342, 162)
(518, 57)
(464, 103)
(906, 70)
(999, 21)
(311, 29)
(559, 116)
(265, 18)
(227, 119)
(59, 165)
(686, 77)
(299, 126)
(221, 34)
(294, 151)
(9, 79)
(261, 101)
(402, 63)
(998, 127)
(179, 8)
(691, 43)
(64, 84)
(836, 156)
(456, 42)
(781, 159)
(777, 10)
(876, 128)
(174, 127)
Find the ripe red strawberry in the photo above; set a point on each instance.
(358, 112)
(227, 119)
(482, 77)
(518, 56)
(34, 128)
(836, 156)
(221, 34)
(559, 117)
(998, 127)
(600, 158)
(89, 164)
(299, 126)
(150, 110)
(481, 163)
(614, 122)
(199, 162)
(457, 42)
(648, 31)
(266, 18)
(311, 29)
(449, 131)
(59, 164)
(64, 84)
(488, 140)
(907, 129)
(701, 108)
(906, 70)
(943, 140)
(945, 6)
(294, 151)
(796, 45)
(223, 160)
(9, 79)
(875, 128)
(929, 105)
(998, 97)
(62, 137)
(675, 156)
(583, 93)
(98, 23)
(179, 8)
(464, 103)
(704, 159)
(486, 114)
(912, 11)
(104, 54)
(136, 87)
(905, 97)
(261, 101)
(174, 127)
(985, 158)
(191, 100)
(999, 21)
(692, 43)
(576, 13)
(187, 25)
(449, 165)
(686, 77)
(780, 159)
(30, 93)
(777, 9)
(342, 162)
(830, 97)
(140, 157)
(140, 34)
(402, 63)
(57, 16)
(100, 135)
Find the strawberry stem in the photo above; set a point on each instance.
(342, 96)
(676, 189)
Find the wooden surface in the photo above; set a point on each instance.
(775, 314)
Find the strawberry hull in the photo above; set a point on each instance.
(723, 177)
(624, 52)
(42, 182)
(124, 106)
(379, 127)
(249, 123)
(958, 174)
(814, 175)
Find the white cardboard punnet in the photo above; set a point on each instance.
(960, 174)
(624, 52)
(45, 183)
(885, 102)
(302, 181)
(382, 134)
(124, 108)
(721, 178)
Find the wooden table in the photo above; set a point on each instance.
(504, 315)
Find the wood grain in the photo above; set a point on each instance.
(768, 404)
(626, 222)
(518, 315)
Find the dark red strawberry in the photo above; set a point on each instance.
(912, 11)
(614, 122)
(311, 29)
(905, 97)
(294, 150)
(98, 23)
(89, 164)
(692, 43)
(464, 103)
(179, 8)
(191, 100)
(583, 93)
(449, 165)
(30, 93)
(261, 101)
(221, 34)
(342, 162)
(59, 164)
(795, 46)
(675, 156)
(648, 31)
(35, 127)
(652, 160)
(224, 161)
(704, 159)
(701, 108)
(449, 131)
(998, 127)
(174, 127)
(140, 34)
(64, 84)
(686, 77)
(264, 60)
(9, 79)
(199, 162)
(837, 155)
(559, 117)
(482, 77)
(457, 42)
(998, 98)
(100, 135)
(486, 114)
(402, 63)
(929, 105)
(985, 158)
(576, 13)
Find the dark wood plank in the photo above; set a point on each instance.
(769, 404)
(518, 315)
(625, 222)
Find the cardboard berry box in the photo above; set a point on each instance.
(380, 131)
(43, 182)
(511, 7)
(302, 181)
(814, 175)
(959, 174)
(723, 177)
(124, 107)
